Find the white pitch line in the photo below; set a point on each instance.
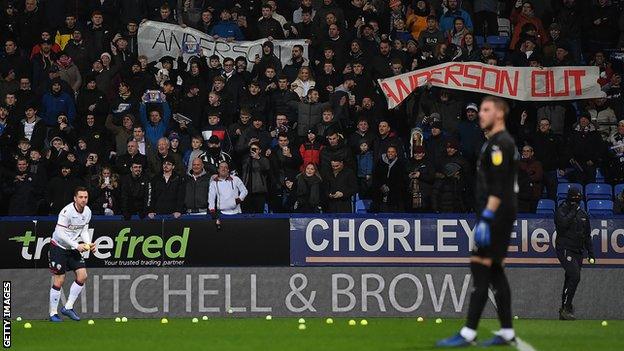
(522, 345)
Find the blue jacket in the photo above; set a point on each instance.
(153, 132)
(365, 164)
(227, 29)
(53, 105)
(447, 20)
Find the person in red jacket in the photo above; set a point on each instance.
(525, 13)
(310, 150)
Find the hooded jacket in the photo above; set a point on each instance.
(53, 104)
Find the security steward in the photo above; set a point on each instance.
(573, 237)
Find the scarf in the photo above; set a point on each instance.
(64, 61)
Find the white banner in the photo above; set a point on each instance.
(518, 83)
(157, 39)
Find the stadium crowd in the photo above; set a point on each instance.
(80, 106)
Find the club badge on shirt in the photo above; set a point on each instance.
(497, 155)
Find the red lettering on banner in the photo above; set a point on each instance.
(484, 72)
(450, 74)
(475, 78)
(414, 79)
(534, 91)
(507, 84)
(389, 93)
(401, 87)
(437, 71)
(577, 74)
(553, 85)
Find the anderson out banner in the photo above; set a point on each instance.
(158, 39)
(517, 83)
(440, 241)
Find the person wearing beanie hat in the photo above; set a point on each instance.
(572, 244)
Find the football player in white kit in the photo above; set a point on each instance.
(69, 240)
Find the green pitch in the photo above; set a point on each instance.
(225, 334)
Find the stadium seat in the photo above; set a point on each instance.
(362, 206)
(504, 27)
(600, 178)
(545, 206)
(600, 207)
(480, 40)
(562, 189)
(598, 191)
(617, 190)
(498, 42)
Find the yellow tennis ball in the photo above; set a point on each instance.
(205, 318)
(438, 320)
(117, 319)
(420, 319)
(329, 321)
(302, 327)
(364, 322)
(194, 320)
(268, 317)
(352, 322)
(27, 325)
(164, 321)
(604, 323)
(91, 322)
(301, 321)
(124, 319)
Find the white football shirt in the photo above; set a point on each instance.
(71, 227)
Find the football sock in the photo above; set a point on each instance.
(55, 295)
(74, 291)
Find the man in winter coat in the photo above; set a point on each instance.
(196, 194)
(389, 182)
(166, 192)
(61, 189)
(309, 113)
(57, 102)
(27, 190)
(340, 185)
(134, 191)
(530, 174)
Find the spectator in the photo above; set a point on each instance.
(254, 134)
(284, 163)
(524, 13)
(32, 128)
(586, 148)
(364, 170)
(389, 183)
(451, 177)
(196, 193)
(166, 191)
(308, 190)
(453, 11)
(269, 27)
(255, 176)
(336, 148)
(158, 121)
(61, 189)
(134, 191)
(26, 191)
(615, 172)
(530, 175)
(226, 192)
(387, 137)
(421, 177)
(340, 185)
(56, 102)
(130, 157)
(227, 28)
(417, 20)
(122, 133)
(163, 152)
(104, 193)
(309, 112)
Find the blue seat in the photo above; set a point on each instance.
(362, 206)
(600, 207)
(617, 190)
(545, 206)
(480, 40)
(598, 191)
(498, 42)
(562, 189)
